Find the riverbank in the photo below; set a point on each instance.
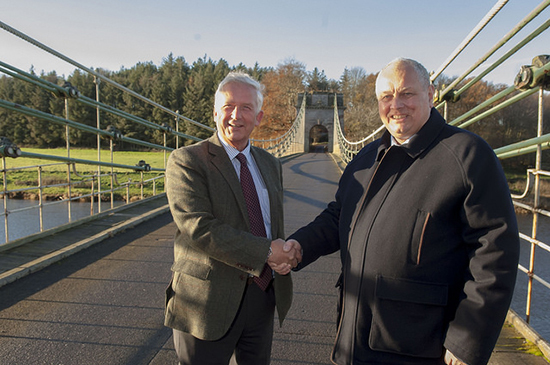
(83, 198)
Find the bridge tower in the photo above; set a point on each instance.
(319, 118)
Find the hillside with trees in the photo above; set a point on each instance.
(189, 89)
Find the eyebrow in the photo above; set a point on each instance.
(392, 91)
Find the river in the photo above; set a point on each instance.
(540, 314)
(25, 223)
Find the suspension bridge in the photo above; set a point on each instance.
(103, 298)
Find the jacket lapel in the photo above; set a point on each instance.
(269, 177)
(221, 161)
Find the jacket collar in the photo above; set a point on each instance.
(420, 141)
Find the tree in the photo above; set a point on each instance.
(316, 81)
(361, 114)
(282, 86)
(199, 97)
(79, 112)
(169, 91)
(141, 79)
(44, 133)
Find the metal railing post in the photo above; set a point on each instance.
(177, 118)
(40, 199)
(92, 197)
(538, 165)
(128, 191)
(67, 139)
(98, 126)
(5, 187)
(111, 146)
(141, 185)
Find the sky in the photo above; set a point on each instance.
(330, 35)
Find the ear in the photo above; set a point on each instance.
(431, 92)
(259, 117)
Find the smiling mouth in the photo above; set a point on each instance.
(398, 117)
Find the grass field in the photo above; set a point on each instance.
(22, 173)
(154, 159)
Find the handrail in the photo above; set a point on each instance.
(284, 144)
(55, 119)
(72, 160)
(347, 148)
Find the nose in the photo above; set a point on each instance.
(236, 114)
(396, 102)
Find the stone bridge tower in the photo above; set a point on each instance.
(319, 118)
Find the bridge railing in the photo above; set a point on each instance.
(94, 180)
(292, 141)
(345, 148)
(530, 80)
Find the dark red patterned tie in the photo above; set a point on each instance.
(257, 227)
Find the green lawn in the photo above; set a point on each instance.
(22, 173)
(154, 159)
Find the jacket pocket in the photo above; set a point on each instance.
(417, 237)
(408, 317)
(192, 268)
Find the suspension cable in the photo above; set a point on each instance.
(499, 44)
(96, 74)
(488, 17)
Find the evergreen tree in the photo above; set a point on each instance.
(317, 81)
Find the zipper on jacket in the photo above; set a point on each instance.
(338, 332)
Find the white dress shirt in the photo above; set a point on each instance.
(261, 189)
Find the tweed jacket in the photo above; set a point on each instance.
(214, 251)
(429, 247)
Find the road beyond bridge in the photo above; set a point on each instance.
(105, 304)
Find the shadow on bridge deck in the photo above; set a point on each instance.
(104, 305)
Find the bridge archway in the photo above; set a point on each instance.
(318, 138)
(319, 116)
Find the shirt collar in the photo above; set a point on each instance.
(232, 152)
(418, 143)
(395, 143)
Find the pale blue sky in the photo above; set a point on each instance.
(330, 35)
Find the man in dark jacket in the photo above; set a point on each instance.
(427, 235)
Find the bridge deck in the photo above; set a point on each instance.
(104, 305)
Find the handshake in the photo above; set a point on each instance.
(285, 255)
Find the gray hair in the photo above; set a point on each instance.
(421, 72)
(241, 78)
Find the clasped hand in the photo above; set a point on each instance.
(285, 255)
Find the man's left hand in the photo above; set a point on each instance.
(451, 359)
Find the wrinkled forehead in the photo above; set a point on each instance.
(397, 77)
(235, 92)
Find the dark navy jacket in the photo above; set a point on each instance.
(429, 246)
